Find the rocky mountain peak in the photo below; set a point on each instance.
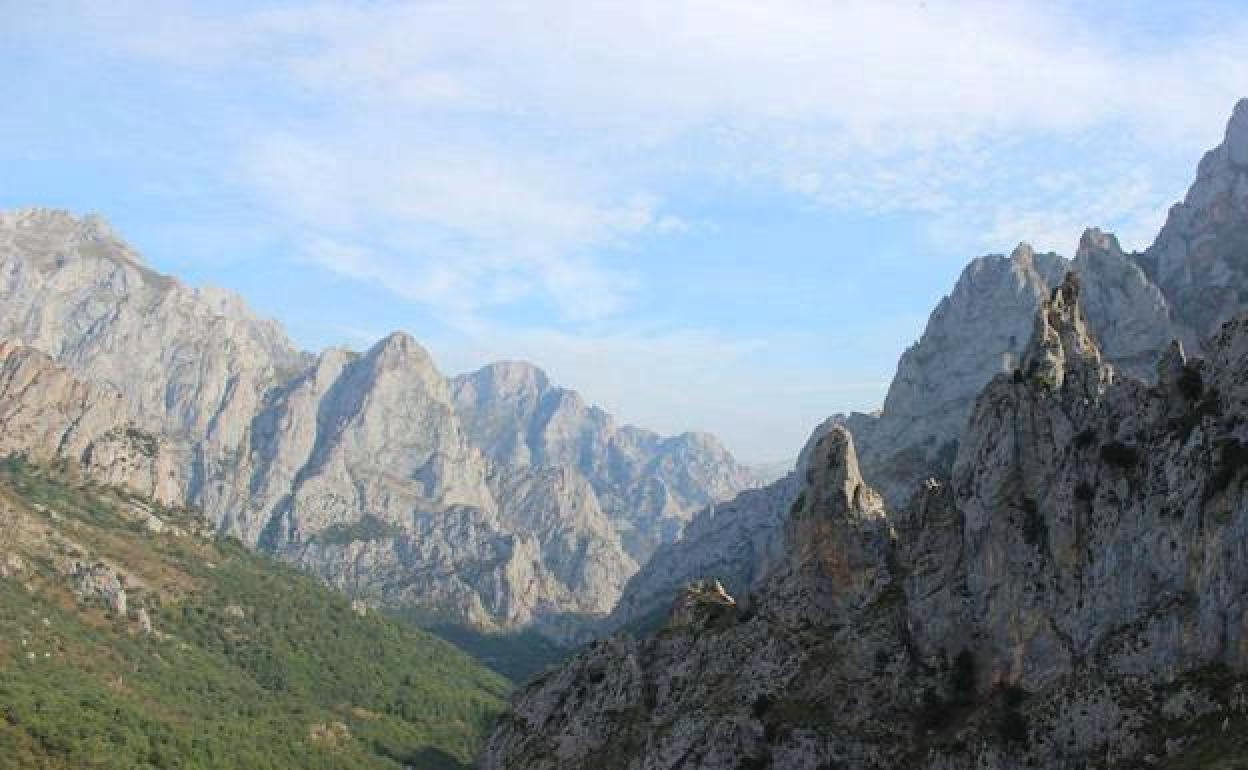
(512, 377)
(1023, 253)
(837, 539)
(702, 603)
(495, 499)
(1095, 240)
(55, 237)
(1237, 135)
(1061, 347)
(834, 484)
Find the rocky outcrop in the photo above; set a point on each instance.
(736, 541)
(100, 584)
(46, 413)
(1192, 279)
(976, 332)
(1073, 598)
(495, 499)
(1181, 288)
(648, 485)
(703, 603)
(1198, 259)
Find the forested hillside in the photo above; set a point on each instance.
(131, 637)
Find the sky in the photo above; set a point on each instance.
(727, 216)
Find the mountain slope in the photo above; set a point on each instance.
(371, 470)
(1189, 281)
(130, 637)
(648, 485)
(1075, 597)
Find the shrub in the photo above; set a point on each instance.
(962, 678)
(1012, 726)
(1084, 492)
(1085, 438)
(798, 505)
(1035, 528)
(1120, 455)
(1232, 458)
(1190, 383)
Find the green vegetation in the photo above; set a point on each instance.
(1120, 455)
(369, 527)
(1231, 461)
(519, 656)
(1035, 528)
(250, 664)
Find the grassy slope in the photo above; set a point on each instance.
(299, 680)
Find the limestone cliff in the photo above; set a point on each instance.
(372, 470)
(1188, 282)
(649, 485)
(1075, 597)
(48, 414)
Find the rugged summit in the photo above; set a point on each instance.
(1075, 597)
(1193, 278)
(649, 485)
(494, 499)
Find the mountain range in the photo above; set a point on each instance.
(1063, 585)
(1183, 287)
(493, 499)
(1031, 556)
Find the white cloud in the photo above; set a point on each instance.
(543, 120)
(455, 227)
(470, 155)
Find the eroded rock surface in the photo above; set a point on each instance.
(1182, 288)
(495, 499)
(1074, 597)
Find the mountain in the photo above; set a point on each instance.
(1073, 596)
(1193, 278)
(131, 636)
(48, 414)
(648, 485)
(450, 500)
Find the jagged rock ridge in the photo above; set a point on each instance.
(1182, 287)
(649, 485)
(1074, 597)
(371, 469)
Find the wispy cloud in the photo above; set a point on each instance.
(457, 227)
(497, 164)
(514, 139)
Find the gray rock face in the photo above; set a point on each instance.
(648, 485)
(357, 466)
(99, 583)
(1192, 279)
(1198, 258)
(976, 332)
(46, 413)
(737, 542)
(1182, 288)
(1074, 597)
(194, 362)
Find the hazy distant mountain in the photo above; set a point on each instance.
(648, 485)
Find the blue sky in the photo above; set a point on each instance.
(727, 216)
